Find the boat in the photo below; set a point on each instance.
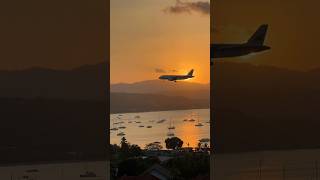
(122, 127)
(204, 140)
(130, 122)
(137, 117)
(192, 119)
(121, 134)
(171, 126)
(149, 126)
(199, 124)
(185, 120)
(138, 121)
(141, 126)
(114, 128)
(161, 121)
(170, 133)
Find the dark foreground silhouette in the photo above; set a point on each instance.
(264, 108)
(52, 130)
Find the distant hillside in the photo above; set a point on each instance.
(86, 82)
(181, 88)
(265, 108)
(128, 102)
(50, 115)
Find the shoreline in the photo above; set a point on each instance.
(128, 112)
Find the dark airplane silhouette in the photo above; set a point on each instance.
(177, 77)
(253, 45)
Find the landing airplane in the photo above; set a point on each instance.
(177, 77)
(253, 45)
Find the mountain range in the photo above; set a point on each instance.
(89, 82)
(186, 89)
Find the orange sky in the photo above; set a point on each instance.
(145, 37)
(293, 30)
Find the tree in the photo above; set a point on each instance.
(189, 166)
(173, 143)
(153, 146)
(127, 150)
(124, 144)
(136, 166)
(134, 150)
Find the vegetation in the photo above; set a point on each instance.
(155, 146)
(189, 165)
(173, 143)
(136, 166)
(127, 160)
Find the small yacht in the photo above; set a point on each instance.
(149, 126)
(171, 126)
(161, 121)
(192, 119)
(114, 128)
(199, 124)
(138, 122)
(121, 134)
(141, 126)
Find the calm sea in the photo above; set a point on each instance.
(137, 131)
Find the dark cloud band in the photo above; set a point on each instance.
(202, 7)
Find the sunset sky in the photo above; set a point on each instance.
(151, 37)
(55, 34)
(293, 30)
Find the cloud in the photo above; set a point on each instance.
(202, 7)
(159, 70)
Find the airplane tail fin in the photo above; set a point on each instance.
(258, 37)
(190, 73)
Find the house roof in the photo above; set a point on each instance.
(145, 177)
(202, 177)
(158, 171)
